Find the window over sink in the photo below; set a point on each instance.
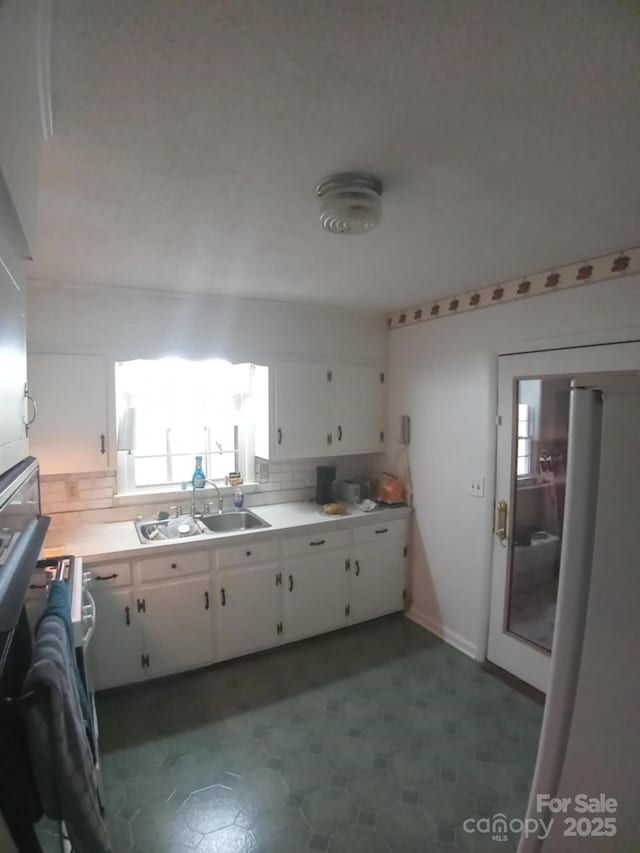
(171, 410)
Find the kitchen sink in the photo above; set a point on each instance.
(227, 522)
(186, 526)
(180, 527)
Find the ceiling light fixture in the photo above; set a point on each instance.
(350, 203)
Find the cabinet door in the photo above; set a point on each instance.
(24, 101)
(358, 419)
(302, 411)
(249, 610)
(115, 648)
(377, 579)
(13, 372)
(177, 624)
(316, 593)
(70, 433)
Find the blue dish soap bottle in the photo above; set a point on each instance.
(198, 478)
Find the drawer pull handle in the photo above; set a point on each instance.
(383, 530)
(175, 565)
(127, 616)
(248, 553)
(223, 597)
(357, 567)
(279, 435)
(339, 433)
(290, 583)
(103, 448)
(106, 577)
(319, 542)
(206, 601)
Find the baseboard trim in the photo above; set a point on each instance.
(454, 639)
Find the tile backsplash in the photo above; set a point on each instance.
(71, 498)
(75, 492)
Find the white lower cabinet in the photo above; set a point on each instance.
(378, 579)
(249, 603)
(116, 645)
(316, 591)
(177, 625)
(182, 609)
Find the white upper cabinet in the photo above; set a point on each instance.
(25, 107)
(70, 433)
(358, 410)
(302, 410)
(327, 410)
(13, 369)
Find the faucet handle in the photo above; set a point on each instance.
(177, 510)
(207, 507)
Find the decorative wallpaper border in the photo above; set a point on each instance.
(615, 265)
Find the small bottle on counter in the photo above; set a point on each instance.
(198, 479)
(238, 498)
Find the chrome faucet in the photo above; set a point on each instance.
(194, 507)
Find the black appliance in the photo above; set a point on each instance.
(22, 532)
(325, 477)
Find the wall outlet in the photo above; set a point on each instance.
(476, 487)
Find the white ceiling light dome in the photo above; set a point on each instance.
(350, 203)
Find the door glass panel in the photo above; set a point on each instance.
(541, 432)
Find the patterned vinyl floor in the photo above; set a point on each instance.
(376, 739)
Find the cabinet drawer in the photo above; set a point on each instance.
(316, 542)
(382, 530)
(105, 575)
(174, 565)
(247, 554)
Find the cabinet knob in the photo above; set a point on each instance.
(174, 565)
(248, 553)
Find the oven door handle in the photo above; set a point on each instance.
(92, 623)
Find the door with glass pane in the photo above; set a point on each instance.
(532, 448)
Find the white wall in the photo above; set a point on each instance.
(137, 324)
(443, 373)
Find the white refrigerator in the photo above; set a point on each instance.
(590, 738)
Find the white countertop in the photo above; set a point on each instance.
(119, 539)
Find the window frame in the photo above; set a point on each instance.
(242, 456)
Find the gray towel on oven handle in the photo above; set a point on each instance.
(65, 774)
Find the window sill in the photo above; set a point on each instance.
(180, 496)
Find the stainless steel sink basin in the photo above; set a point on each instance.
(181, 527)
(227, 522)
(186, 526)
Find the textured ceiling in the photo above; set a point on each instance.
(189, 136)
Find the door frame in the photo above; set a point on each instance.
(600, 337)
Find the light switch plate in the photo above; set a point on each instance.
(476, 487)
